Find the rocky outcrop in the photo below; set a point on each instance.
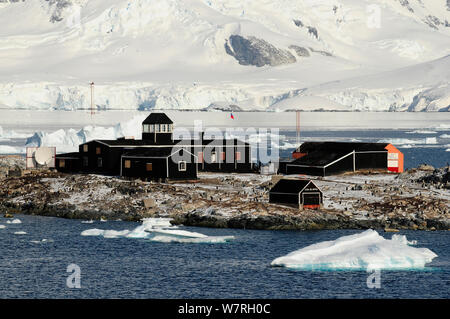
(300, 51)
(416, 199)
(258, 52)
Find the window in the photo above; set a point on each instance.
(238, 156)
(149, 167)
(223, 156)
(163, 127)
(98, 150)
(182, 166)
(151, 128)
(62, 163)
(170, 127)
(200, 157)
(157, 127)
(145, 128)
(85, 148)
(85, 161)
(127, 164)
(213, 157)
(99, 162)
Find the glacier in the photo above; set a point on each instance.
(194, 55)
(364, 251)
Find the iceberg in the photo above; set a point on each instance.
(2, 226)
(14, 221)
(198, 240)
(364, 251)
(159, 230)
(105, 233)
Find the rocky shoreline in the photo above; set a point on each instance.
(417, 199)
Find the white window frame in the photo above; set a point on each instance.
(179, 166)
(151, 128)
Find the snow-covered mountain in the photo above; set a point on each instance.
(226, 54)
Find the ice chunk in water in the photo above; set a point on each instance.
(159, 229)
(105, 233)
(366, 250)
(176, 232)
(198, 240)
(14, 221)
(92, 232)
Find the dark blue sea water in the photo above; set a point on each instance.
(139, 268)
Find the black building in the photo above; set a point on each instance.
(159, 163)
(213, 155)
(328, 158)
(299, 193)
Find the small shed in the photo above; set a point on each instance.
(67, 162)
(301, 193)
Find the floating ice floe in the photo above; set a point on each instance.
(160, 230)
(108, 233)
(20, 233)
(2, 226)
(87, 221)
(41, 241)
(363, 251)
(14, 221)
(421, 132)
(201, 240)
(402, 141)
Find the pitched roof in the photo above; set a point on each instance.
(153, 152)
(127, 142)
(157, 118)
(290, 186)
(342, 147)
(319, 158)
(324, 153)
(68, 155)
(150, 143)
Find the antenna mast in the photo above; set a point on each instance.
(298, 126)
(92, 98)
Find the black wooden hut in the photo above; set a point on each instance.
(300, 193)
(67, 162)
(159, 163)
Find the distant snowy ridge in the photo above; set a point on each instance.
(278, 55)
